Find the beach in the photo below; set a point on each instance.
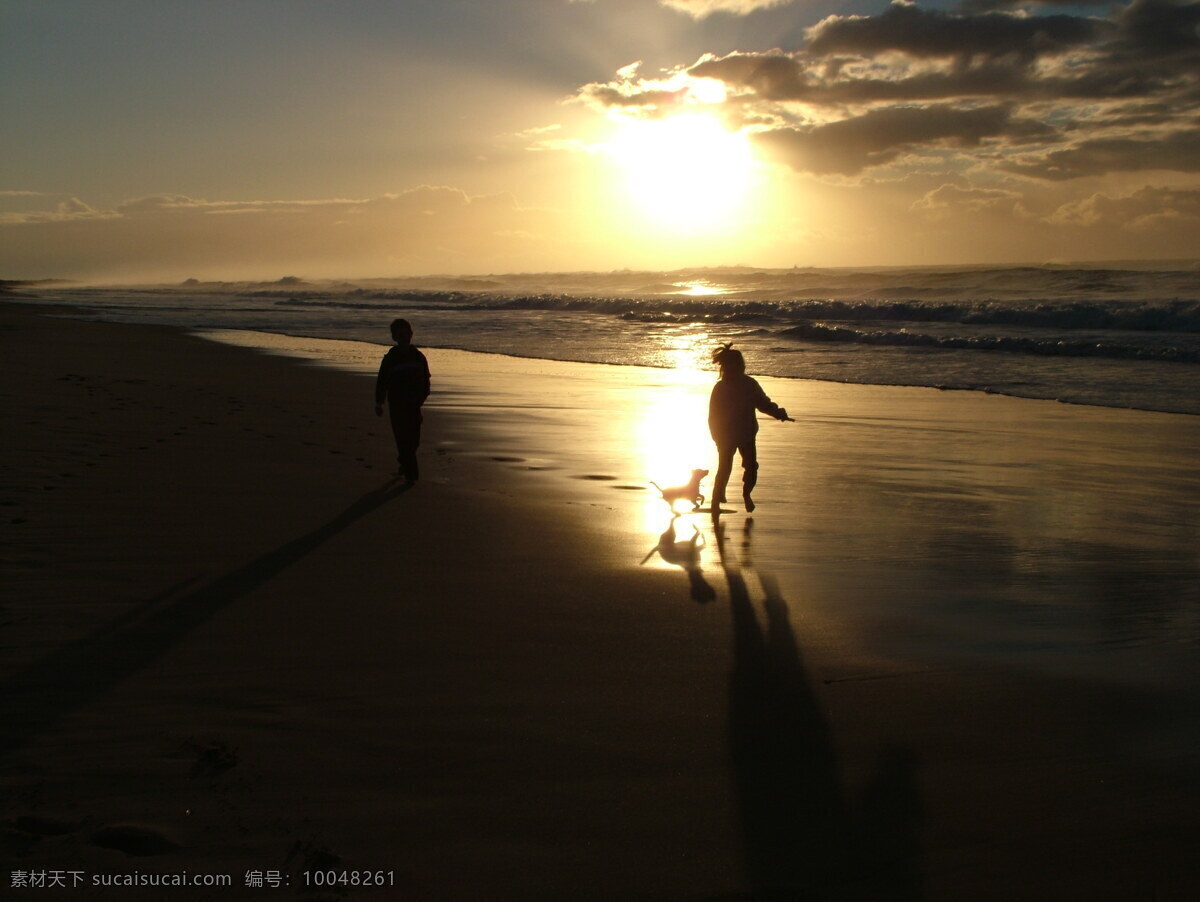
(952, 655)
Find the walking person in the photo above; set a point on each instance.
(404, 383)
(733, 424)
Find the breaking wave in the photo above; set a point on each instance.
(1151, 316)
(1065, 347)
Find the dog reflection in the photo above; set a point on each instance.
(685, 554)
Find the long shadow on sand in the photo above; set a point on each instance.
(69, 678)
(802, 839)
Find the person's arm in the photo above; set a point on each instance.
(426, 381)
(766, 405)
(712, 413)
(381, 385)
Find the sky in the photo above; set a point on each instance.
(232, 139)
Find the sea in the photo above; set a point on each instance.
(1121, 335)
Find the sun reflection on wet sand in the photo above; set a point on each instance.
(670, 432)
(671, 436)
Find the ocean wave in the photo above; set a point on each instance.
(1175, 315)
(824, 333)
(1162, 316)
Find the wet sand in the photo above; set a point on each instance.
(951, 656)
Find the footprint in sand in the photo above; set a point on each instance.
(30, 829)
(597, 477)
(40, 825)
(313, 857)
(134, 839)
(214, 758)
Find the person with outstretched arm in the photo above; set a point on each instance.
(733, 423)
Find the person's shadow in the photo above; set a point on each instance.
(801, 838)
(44, 691)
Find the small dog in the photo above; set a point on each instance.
(690, 491)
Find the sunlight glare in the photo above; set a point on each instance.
(671, 431)
(700, 289)
(686, 171)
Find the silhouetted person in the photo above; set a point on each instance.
(733, 424)
(404, 382)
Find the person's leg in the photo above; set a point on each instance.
(724, 468)
(749, 452)
(408, 463)
(406, 427)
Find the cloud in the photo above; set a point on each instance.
(1161, 28)
(628, 95)
(1177, 151)
(772, 76)
(421, 230)
(159, 203)
(949, 201)
(920, 33)
(633, 95)
(780, 78)
(849, 146)
(64, 210)
(1146, 210)
(992, 5)
(699, 9)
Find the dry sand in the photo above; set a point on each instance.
(232, 644)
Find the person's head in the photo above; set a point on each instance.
(402, 332)
(731, 362)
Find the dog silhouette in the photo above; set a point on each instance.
(689, 491)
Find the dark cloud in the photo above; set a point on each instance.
(934, 34)
(849, 146)
(977, 6)
(778, 77)
(1151, 49)
(773, 76)
(1161, 28)
(1177, 151)
(626, 96)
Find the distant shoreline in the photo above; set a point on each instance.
(465, 280)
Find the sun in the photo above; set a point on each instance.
(685, 171)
